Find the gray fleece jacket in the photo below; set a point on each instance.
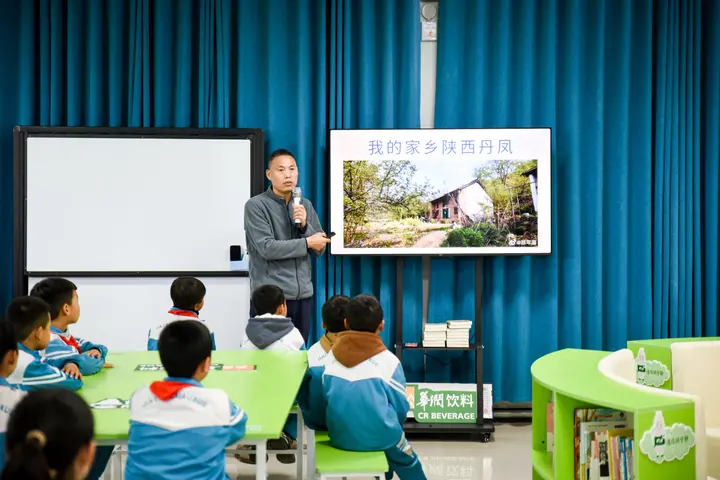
(278, 251)
(272, 332)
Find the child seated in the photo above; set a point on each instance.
(30, 317)
(188, 297)
(64, 349)
(178, 429)
(9, 396)
(310, 398)
(49, 435)
(363, 376)
(272, 330)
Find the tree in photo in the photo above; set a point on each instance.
(359, 178)
(380, 191)
(507, 184)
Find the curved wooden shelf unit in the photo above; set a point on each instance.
(574, 379)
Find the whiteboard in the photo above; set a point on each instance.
(134, 204)
(118, 312)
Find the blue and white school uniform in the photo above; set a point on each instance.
(310, 398)
(363, 376)
(274, 332)
(179, 430)
(33, 373)
(64, 348)
(174, 315)
(9, 397)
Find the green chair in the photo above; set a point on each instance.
(331, 462)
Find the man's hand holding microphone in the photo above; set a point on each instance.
(317, 241)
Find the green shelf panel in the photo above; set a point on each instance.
(574, 373)
(576, 381)
(659, 351)
(541, 396)
(666, 342)
(542, 465)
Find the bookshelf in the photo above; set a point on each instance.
(573, 378)
(483, 428)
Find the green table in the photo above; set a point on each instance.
(266, 394)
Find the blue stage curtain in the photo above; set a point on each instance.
(168, 63)
(584, 69)
(686, 193)
(709, 155)
(10, 58)
(677, 263)
(375, 83)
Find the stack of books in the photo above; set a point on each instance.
(434, 335)
(458, 333)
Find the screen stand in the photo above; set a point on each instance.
(482, 428)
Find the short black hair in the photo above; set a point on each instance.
(57, 292)
(267, 299)
(279, 153)
(364, 314)
(186, 292)
(26, 314)
(8, 339)
(334, 313)
(183, 346)
(45, 432)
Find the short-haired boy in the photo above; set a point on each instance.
(65, 351)
(9, 396)
(188, 297)
(271, 329)
(310, 398)
(363, 376)
(178, 429)
(30, 317)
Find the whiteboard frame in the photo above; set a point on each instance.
(20, 137)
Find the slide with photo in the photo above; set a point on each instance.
(447, 192)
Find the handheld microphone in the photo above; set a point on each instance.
(297, 194)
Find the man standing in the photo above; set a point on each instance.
(281, 237)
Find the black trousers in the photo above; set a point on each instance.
(300, 312)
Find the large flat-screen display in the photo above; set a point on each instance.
(441, 192)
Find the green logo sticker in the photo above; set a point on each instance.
(662, 444)
(110, 404)
(652, 373)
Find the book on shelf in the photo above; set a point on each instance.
(550, 426)
(434, 334)
(458, 333)
(434, 327)
(459, 324)
(602, 444)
